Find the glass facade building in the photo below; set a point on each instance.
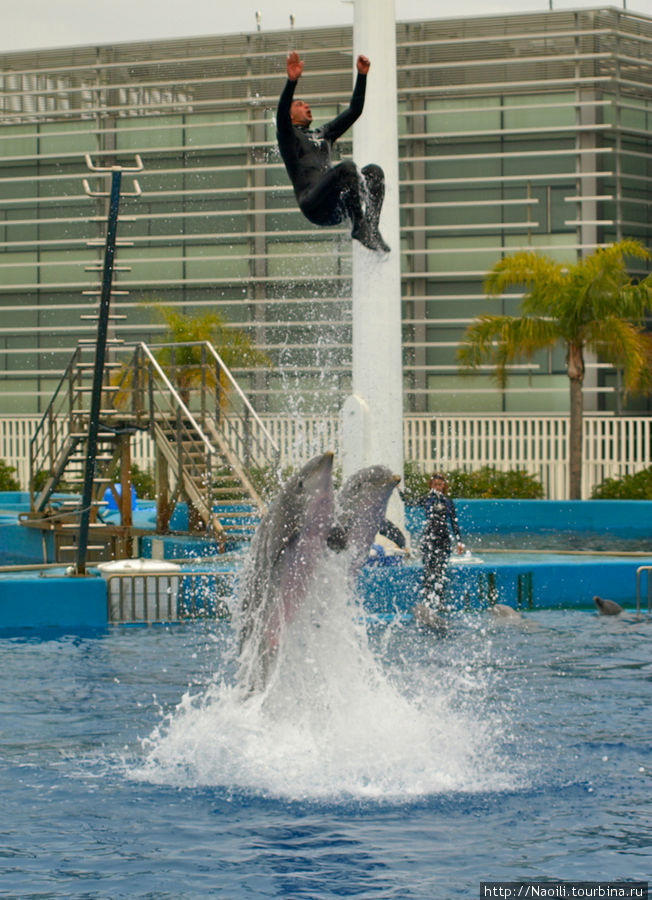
(515, 131)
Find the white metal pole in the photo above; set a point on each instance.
(372, 417)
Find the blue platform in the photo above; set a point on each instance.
(48, 599)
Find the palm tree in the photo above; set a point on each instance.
(233, 346)
(592, 305)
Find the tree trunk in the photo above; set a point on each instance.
(576, 375)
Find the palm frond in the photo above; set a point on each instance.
(540, 274)
(625, 345)
(600, 284)
(502, 340)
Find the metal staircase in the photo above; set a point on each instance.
(203, 435)
(195, 413)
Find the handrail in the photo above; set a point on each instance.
(225, 427)
(63, 378)
(641, 569)
(234, 384)
(243, 397)
(168, 384)
(47, 438)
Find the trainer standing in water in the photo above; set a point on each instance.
(441, 519)
(328, 194)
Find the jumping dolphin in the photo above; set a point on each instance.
(359, 513)
(287, 547)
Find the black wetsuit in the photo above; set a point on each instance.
(441, 518)
(328, 194)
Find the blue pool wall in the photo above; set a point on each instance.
(549, 581)
(622, 518)
(46, 599)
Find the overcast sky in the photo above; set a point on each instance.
(39, 24)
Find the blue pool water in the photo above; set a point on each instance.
(395, 766)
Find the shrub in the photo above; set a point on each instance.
(490, 482)
(630, 487)
(40, 480)
(486, 482)
(143, 481)
(7, 480)
(416, 482)
(267, 481)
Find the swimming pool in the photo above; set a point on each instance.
(393, 766)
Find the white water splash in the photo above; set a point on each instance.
(333, 723)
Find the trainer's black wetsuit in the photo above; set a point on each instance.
(441, 518)
(328, 194)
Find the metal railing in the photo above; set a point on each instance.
(197, 414)
(219, 403)
(248, 436)
(53, 437)
(639, 572)
(147, 598)
(155, 401)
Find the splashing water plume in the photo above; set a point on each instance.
(332, 722)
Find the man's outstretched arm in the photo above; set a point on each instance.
(335, 129)
(294, 69)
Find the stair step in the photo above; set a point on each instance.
(98, 292)
(67, 509)
(96, 526)
(87, 389)
(94, 316)
(102, 436)
(90, 366)
(73, 548)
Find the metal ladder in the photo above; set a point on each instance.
(103, 316)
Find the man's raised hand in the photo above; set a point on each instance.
(363, 64)
(294, 66)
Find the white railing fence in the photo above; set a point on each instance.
(613, 445)
(16, 432)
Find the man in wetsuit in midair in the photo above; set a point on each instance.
(328, 194)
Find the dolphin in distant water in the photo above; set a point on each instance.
(607, 607)
(360, 507)
(285, 551)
